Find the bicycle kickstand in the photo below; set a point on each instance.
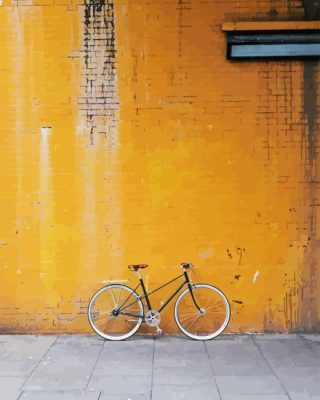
(159, 331)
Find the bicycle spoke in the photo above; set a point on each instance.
(114, 326)
(102, 304)
(118, 296)
(188, 318)
(216, 312)
(214, 308)
(192, 322)
(104, 320)
(216, 304)
(106, 314)
(210, 319)
(188, 315)
(206, 304)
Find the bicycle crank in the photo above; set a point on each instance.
(152, 318)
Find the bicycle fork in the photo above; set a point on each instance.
(190, 286)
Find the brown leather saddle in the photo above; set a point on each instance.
(137, 266)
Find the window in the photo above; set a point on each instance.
(272, 43)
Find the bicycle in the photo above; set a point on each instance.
(201, 311)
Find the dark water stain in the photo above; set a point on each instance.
(100, 103)
(240, 251)
(91, 8)
(273, 13)
(310, 106)
(229, 254)
(311, 9)
(309, 297)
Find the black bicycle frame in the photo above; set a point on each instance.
(146, 295)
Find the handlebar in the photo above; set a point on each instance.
(186, 265)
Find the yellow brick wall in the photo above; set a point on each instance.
(127, 137)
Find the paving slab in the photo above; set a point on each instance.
(107, 367)
(123, 385)
(171, 345)
(231, 367)
(59, 395)
(134, 349)
(178, 392)
(296, 363)
(236, 355)
(134, 357)
(67, 365)
(281, 352)
(163, 360)
(21, 368)
(199, 375)
(106, 396)
(10, 387)
(20, 354)
(301, 386)
(22, 347)
(255, 397)
(246, 385)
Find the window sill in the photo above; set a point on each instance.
(270, 25)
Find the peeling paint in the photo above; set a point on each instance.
(255, 276)
(205, 254)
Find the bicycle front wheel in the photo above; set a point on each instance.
(104, 319)
(204, 315)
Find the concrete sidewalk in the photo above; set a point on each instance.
(231, 367)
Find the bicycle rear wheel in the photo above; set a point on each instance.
(101, 312)
(210, 319)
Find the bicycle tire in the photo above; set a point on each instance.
(196, 314)
(113, 333)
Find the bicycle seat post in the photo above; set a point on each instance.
(138, 273)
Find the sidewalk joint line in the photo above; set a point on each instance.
(152, 371)
(94, 366)
(268, 364)
(39, 362)
(212, 370)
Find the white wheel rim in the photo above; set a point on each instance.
(223, 326)
(105, 335)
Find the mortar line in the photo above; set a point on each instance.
(269, 365)
(37, 365)
(94, 366)
(152, 371)
(212, 370)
